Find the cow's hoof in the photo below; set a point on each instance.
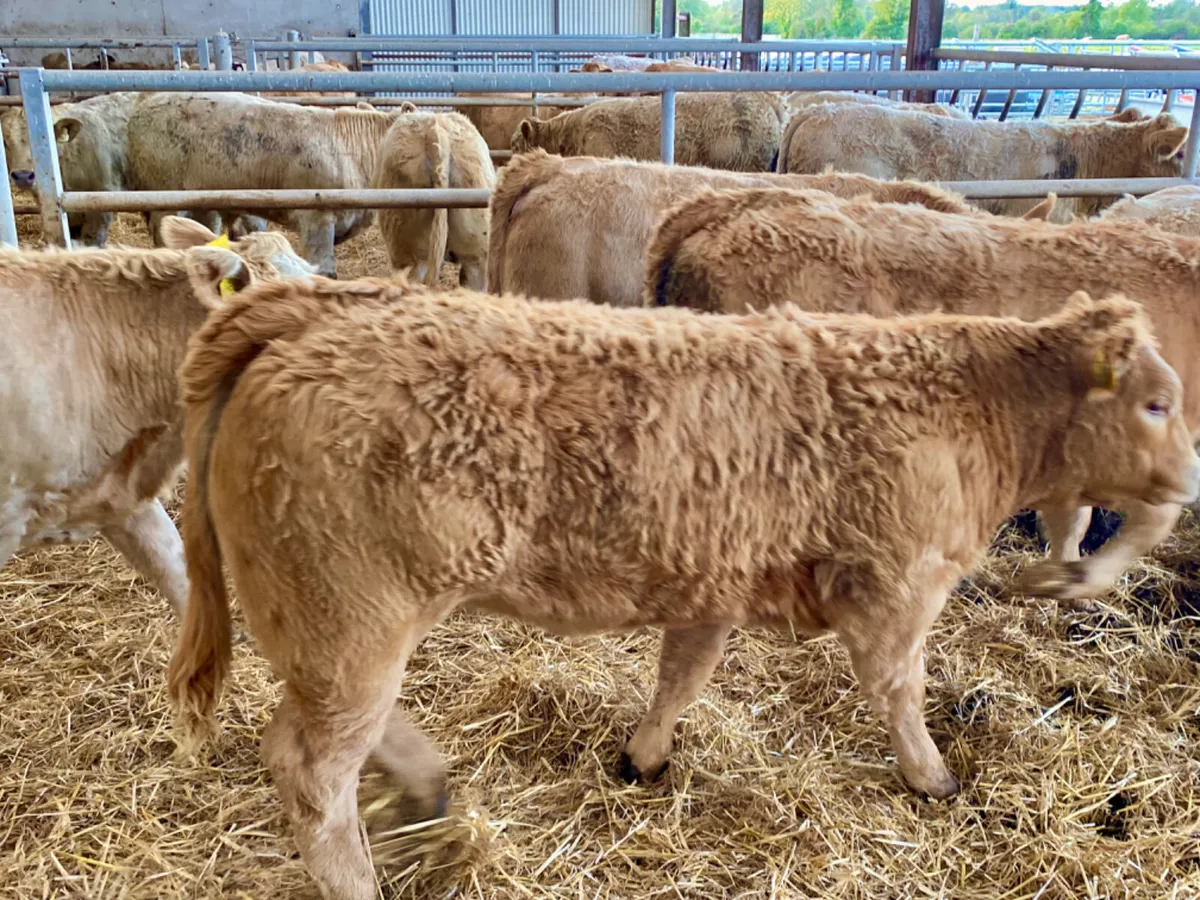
(944, 788)
(1057, 580)
(631, 774)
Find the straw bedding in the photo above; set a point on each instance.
(1074, 735)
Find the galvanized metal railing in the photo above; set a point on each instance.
(54, 203)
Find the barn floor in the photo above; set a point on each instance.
(1074, 734)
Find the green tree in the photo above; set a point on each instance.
(1090, 17)
(846, 21)
(889, 20)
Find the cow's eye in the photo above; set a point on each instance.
(1158, 408)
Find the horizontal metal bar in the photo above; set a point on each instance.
(543, 101)
(134, 201)
(601, 83)
(456, 198)
(572, 44)
(93, 43)
(1081, 187)
(1075, 60)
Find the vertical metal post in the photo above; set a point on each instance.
(8, 219)
(667, 132)
(1123, 99)
(223, 51)
(1169, 102)
(1044, 99)
(1192, 148)
(176, 57)
(1079, 98)
(70, 62)
(202, 54)
(251, 57)
(293, 55)
(668, 19)
(752, 31)
(895, 67)
(534, 62)
(925, 18)
(45, 157)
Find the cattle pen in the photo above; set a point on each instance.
(36, 85)
(1073, 731)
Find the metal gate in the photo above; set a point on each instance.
(405, 18)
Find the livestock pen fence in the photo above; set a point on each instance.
(1103, 73)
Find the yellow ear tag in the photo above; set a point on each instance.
(226, 284)
(1103, 374)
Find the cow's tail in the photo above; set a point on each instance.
(666, 283)
(437, 149)
(229, 341)
(523, 173)
(785, 144)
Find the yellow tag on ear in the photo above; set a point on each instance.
(1103, 374)
(226, 284)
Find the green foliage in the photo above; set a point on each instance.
(1008, 19)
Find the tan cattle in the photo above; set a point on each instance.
(894, 143)
(737, 131)
(328, 66)
(91, 342)
(215, 141)
(798, 100)
(91, 140)
(579, 226)
(435, 150)
(838, 256)
(1173, 209)
(616, 63)
(497, 123)
(371, 456)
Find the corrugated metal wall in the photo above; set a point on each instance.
(406, 18)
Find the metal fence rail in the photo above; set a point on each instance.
(36, 85)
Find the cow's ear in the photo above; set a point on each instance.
(407, 107)
(216, 273)
(1128, 114)
(180, 233)
(66, 130)
(1166, 138)
(364, 105)
(1112, 331)
(529, 129)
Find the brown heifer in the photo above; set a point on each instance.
(435, 150)
(830, 255)
(329, 66)
(90, 347)
(1174, 209)
(580, 226)
(497, 123)
(738, 131)
(894, 143)
(798, 100)
(369, 456)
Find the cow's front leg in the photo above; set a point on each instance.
(317, 230)
(1064, 529)
(94, 232)
(1144, 527)
(149, 540)
(685, 664)
(883, 625)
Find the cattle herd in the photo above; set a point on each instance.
(783, 383)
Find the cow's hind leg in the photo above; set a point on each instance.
(149, 540)
(413, 767)
(886, 641)
(685, 664)
(333, 716)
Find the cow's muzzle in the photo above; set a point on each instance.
(22, 178)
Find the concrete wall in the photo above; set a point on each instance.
(168, 18)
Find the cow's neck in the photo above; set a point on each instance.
(362, 133)
(1024, 377)
(143, 316)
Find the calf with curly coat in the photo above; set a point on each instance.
(369, 456)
